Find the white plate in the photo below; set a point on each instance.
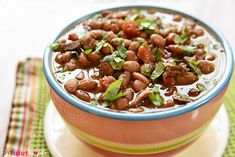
(62, 143)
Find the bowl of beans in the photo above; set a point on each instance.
(138, 80)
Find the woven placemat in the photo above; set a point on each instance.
(25, 135)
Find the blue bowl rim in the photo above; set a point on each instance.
(142, 116)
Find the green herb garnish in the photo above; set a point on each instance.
(146, 69)
(156, 99)
(99, 45)
(157, 55)
(94, 103)
(194, 67)
(112, 92)
(188, 50)
(159, 69)
(201, 87)
(54, 46)
(87, 52)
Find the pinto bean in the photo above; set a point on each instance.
(134, 46)
(141, 96)
(71, 65)
(107, 49)
(145, 54)
(106, 81)
(129, 94)
(211, 56)
(94, 57)
(71, 86)
(181, 99)
(170, 39)
(186, 78)
(82, 95)
(168, 103)
(121, 103)
(106, 68)
(70, 46)
(80, 75)
(73, 37)
(62, 58)
(88, 41)
(114, 27)
(127, 78)
(170, 91)
(196, 31)
(127, 42)
(95, 24)
(131, 56)
(158, 40)
(177, 17)
(131, 66)
(176, 50)
(193, 92)
(141, 77)
(83, 61)
(138, 85)
(206, 67)
(87, 85)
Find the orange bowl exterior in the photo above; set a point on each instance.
(137, 137)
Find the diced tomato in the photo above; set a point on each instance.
(131, 29)
(145, 54)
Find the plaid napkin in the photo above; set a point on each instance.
(25, 135)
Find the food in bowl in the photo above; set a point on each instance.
(137, 60)
(154, 131)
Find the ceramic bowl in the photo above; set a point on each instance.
(143, 134)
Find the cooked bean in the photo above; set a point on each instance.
(186, 78)
(158, 40)
(211, 56)
(71, 65)
(87, 85)
(131, 29)
(131, 56)
(206, 67)
(177, 17)
(151, 11)
(107, 49)
(95, 24)
(88, 41)
(82, 95)
(168, 103)
(176, 50)
(138, 85)
(73, 37)
(106, 68)
(170, 91)
(71, 86)
(193, 92)
(170, 39)
(106, 81)
(127, 78)
(62, 58)
(141, 96)
(181, 99)
(196, 31)
(84, 62)
(114, 28)
(131, 66)
(145, 54)
(94, 57)
(129, 94)
(70, 46)
(121, 103)
(134, 46)
(127, 42)
(142, 78)
(80, 75)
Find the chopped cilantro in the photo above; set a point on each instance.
(156, 99)
(194, 67)
(159, 69)
(112, 93)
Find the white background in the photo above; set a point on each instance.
(26, 27)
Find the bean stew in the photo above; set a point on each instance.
(137, 60)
